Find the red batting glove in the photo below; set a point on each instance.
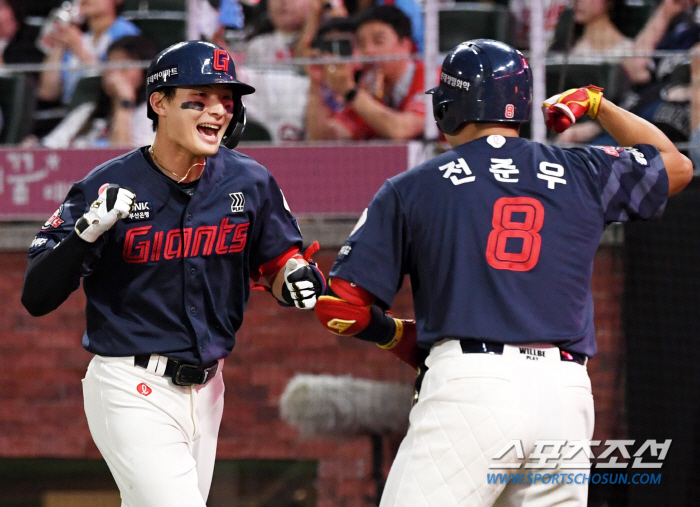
(562, 110)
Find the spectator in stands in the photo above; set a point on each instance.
(225, 26)
(276, 40)
(279, 101)
(335, 37)
(119, 118)
(660, 85)
(672, 27)
(385, 99)
(412, 8)
(520, 11)
(320, 12)
(595, 39)
(74, 48)
(17, 44)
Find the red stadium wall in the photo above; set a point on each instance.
(41, 412)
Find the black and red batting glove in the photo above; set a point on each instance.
(303, 283)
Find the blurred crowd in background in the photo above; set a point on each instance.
(72, 74)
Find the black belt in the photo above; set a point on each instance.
(472, 346)
(182, 373)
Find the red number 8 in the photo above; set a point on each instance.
(510, 111)
(504, 228)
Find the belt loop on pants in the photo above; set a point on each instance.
(181, 373)
(474, 346)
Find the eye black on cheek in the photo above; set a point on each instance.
(197, 106)
(229, 108)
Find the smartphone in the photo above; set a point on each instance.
(338, 47)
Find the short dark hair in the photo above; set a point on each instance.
(342, 25)
(388, 14)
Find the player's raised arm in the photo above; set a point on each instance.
(54, 273)
(349, 310)
(629, 129)
(562, 110)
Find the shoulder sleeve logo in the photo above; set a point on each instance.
(54, 220)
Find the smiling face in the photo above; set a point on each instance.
(194, 121)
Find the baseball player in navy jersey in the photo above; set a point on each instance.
(498, 236)
(165, 239)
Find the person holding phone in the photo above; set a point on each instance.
(381, 100)
(74, 48)
(336, 37)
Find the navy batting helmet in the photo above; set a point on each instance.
(196, 63)
(482, 80)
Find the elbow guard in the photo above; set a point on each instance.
(349, 310)
(346, 309)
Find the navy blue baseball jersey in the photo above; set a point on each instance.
(173, 277)
(499, 235)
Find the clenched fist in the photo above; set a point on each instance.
(562, 110)
(112, 203)
(303, 284)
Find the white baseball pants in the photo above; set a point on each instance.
(471, 406)
(159, 441)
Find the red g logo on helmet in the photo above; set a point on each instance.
(510, 111)
(221, 59)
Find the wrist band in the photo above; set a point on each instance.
(127, 104)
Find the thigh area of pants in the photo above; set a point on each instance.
(146, 428)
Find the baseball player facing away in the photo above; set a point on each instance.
(498, 236)
(165, 239)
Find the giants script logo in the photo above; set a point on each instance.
(221, 59)
(142, 244)
(144, 389)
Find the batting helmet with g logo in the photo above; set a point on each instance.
(482, 80)
(196, 63)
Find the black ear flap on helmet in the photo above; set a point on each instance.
(235, 128)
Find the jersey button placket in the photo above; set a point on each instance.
(193, 310)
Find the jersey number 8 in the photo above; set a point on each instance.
(504, 228)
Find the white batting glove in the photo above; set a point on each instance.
(112, 204)
(304, 284)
